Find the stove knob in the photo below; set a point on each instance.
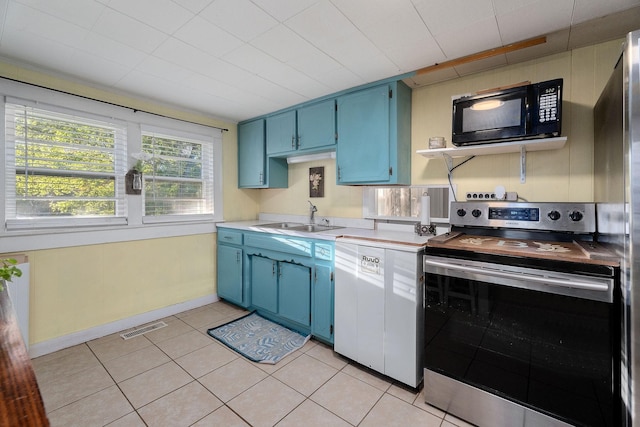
(476, 213)
(576, 215)
(554, 215)
(461, 212)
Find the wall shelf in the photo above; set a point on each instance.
(498, 148)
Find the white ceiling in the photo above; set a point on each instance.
(236, 59)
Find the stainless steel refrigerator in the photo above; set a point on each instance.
(617, 194)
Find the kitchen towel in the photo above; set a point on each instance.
(258, 339)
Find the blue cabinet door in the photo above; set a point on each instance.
(295, 292)
(317, 125)
(264, 283)
(281, 133)
(229, 276)
(251, 154)
(363, 154)
(322, 303)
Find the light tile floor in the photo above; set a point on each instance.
(179, 376)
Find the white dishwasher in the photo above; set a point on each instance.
(379, 312)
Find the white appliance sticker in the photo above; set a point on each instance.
(369, 264)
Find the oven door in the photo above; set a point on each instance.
(539, 341)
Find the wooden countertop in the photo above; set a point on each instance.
(20, 400)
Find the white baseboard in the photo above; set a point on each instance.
(59, 343)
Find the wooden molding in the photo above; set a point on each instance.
(484, 54)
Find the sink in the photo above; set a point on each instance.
(283, 225)
(296, 226)
(312, 228)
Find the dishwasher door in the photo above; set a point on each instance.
(379, 312)
(359, 304)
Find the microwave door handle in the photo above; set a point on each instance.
(551, 281)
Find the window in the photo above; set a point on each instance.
(178, 175)
(62, 168)
(403, 203)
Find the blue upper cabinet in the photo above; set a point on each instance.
(281, 133)
(317, 126)
(374, 136)
(308, 129)
(255, 170)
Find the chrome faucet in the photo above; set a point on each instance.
(312, 210)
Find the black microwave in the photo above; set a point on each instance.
(522, 112)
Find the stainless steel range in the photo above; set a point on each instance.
(522, 317)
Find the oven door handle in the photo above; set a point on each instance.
(551, 281)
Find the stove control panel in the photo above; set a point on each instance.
(545, 216)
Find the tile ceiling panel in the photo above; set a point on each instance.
(235, 59)
(163, 15)
(242, 18)
(204, 36)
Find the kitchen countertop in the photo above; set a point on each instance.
(350, 234)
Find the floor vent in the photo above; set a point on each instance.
(143, 330)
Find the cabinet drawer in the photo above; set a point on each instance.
(228, 236)
(324, 251)
(290, 245)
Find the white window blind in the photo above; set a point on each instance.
(62, 167)
(178, 175)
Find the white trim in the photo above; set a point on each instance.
(65, 341)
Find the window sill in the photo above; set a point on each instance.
(29, 240)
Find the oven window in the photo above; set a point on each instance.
(549, 352)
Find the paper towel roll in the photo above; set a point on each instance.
(425, 209)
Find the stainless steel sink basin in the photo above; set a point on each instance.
(283, 225)
(296, 226)
(313, 228)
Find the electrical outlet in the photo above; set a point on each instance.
(510, 196)
(484, 195)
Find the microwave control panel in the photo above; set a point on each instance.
(548, 101)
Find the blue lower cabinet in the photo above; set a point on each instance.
(294, 293)
(264, 283)
(230, 274)
(322, 303)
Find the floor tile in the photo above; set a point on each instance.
(347, 397)
(305, 374)
(97, 409)
(74, 387)
(228, 309)
(310, 414)
(114, 346)
(135, 363)
(175, 327)
(266, 403)
(403, 393)
(270, 368)
(181, 407)
(129, 420)
(393, 412)
(204, 318)
(206, 359)
(68, 362)
(232, 379)
(154, 383)
(222, 416)
(325, 354)
(184, 344)
(368, 376)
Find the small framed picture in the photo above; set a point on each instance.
(316, 182)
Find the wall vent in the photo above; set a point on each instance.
(143, 330)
